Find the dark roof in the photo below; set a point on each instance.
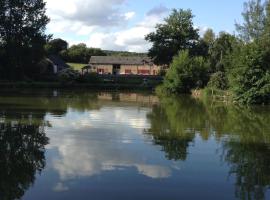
(118, 60)
(56, 60)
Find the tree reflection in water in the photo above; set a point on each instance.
(23, 137)
(243, 132)
(22, 147)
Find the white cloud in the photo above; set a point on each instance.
(81, 17)
(202, 29)
(90, 12)
(94, 143)
(130, 39)
(106, 23)
(129, 15)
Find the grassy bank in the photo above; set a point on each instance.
(213, 95)
(76, 66)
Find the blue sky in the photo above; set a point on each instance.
(218, 14)
(122, 24)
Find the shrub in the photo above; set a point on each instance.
(185, 74)
(250, 77)
(89, 78)
(219, 81)
(68, 75)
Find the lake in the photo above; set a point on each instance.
(66, 145)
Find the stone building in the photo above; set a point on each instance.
(117, 65)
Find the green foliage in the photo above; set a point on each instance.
(250, 77)
(123, 53)
(22, 36)
(80, 53)
(186, 73)
(76, 66)
(209, 37)
(219, 81)
(254, 21)
(177, 33)
(68, 75)
(90, 78)
(54, 47)
(221, 50)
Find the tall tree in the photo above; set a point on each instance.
(222, 47)
(22, 35)
(254, 20)
(55, 46)
(80, 53)
(209, 37)
(175, 34)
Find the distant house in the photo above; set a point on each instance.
(117, 65)
(57, 63)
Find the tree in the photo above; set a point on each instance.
(218, 81)
(22, 153)
(185, 73)
(80, 53)
(254, 20)
(221, 50)
(265, 40)
(22, 35)
(56, 46)
(250, 77)
(175, 34)
(209, 37)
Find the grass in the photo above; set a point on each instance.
(77, 66)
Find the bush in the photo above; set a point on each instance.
(250, 77)
(68, 75)
(90, 78)
(185, 74)
(219, 81)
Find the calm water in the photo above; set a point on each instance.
(84, 145)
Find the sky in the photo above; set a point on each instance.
(123, 24)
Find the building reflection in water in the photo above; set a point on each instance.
(100, 132)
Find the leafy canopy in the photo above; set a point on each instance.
(22, 36)
(175, 34)
(55, 46)
(185, 73)
(254, 21)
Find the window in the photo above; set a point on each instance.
(101, 71)
(128, 71)
(144, 72)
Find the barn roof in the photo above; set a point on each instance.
(56, 60)
(118, 60)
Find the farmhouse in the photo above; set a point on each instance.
(57, 64)
(117, 65)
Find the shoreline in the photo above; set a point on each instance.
(74, 85)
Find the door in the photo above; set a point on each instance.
(116, 69)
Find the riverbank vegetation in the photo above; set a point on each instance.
(236, 64)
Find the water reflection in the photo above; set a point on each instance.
(22, 147)
(115, 143)
(243, 132)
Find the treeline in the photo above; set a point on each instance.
(239, 63)
(80, 53)
(123, 53)
(22, 38)
(24, 45)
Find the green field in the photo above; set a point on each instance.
(77, 66)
